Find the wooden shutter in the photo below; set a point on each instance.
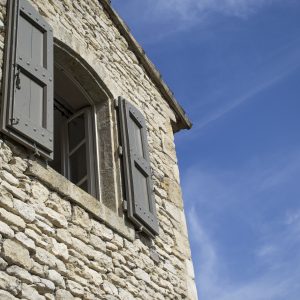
(27, 106)
(80, 157)
(138, 184)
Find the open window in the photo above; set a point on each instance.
(74, 133)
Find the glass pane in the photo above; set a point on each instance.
(84, 186)
(137, 135)
(141, 189)
(76, 130)
(77, 164)
(59, 121)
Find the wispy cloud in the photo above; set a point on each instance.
(212, 195)
(193, 10)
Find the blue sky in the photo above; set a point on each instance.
(234, 65)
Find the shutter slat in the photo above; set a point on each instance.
(28, 96)
(139, 190)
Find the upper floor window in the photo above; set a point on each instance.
(74, 133)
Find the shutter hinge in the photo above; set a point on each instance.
(125, 207)
(14, 121)
(18, 80)
(36, 152)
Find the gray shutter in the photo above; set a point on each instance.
(27, 110)
(139, 191)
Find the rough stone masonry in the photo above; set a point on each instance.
(58, 242)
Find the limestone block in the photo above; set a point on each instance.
(24, 240)
(102, 231)
(57, 219)
(75, 288)
(10, 283)
(61, 206)
(81, 217)
(11, 218)
(21, 273)
(95, 277)
(3, 264)
(56, 278)
(16, 192)
(6, 230)
(125, 295)
(30, 293)
(6, 200)
(63, 235)
(109, 288)
(97, 243)
(39, 192)
(4, 295)
(6, 176)
(44, 286)
(59, 249)
(174, 191)
(63, 295)
(78, 232)
(24, 210)
(17, 254)
(142, 275)
(45, 258)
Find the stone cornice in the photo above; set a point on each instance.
(182, 120)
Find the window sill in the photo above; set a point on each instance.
(74, 194)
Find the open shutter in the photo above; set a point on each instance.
(79, 158)
(27, 109)
(139, 190)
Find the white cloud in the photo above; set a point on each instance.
(189, 10)
(210, 195)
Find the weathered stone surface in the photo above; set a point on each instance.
(44, 257)
(9, 283)
(30, 293)
(4, 295)
(81, 217)
(24, 210)
(24, 240)
(56, 278)
(63, 295)
(142, 275)
(59, 249)
(16, 192)
(102, 231)
(17, 254)
(12, 219)
(75, 288)
(109, 288)
(20, 273)
(9, 178)
(57, 219)
(6, 230)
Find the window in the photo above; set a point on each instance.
(61, 124)
(74, 133)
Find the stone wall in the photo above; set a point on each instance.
(57, 244)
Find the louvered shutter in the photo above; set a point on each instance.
(27, 110)
(138, 184)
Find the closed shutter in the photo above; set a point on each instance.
(27, 110)
(138, 183)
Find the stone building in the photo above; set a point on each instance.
(91, 204)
